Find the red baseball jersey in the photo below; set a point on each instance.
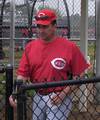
(51, 61)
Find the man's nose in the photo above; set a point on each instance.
(41, 28)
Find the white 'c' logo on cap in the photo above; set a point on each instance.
(41, 14)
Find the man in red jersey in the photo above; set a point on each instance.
(46, 59)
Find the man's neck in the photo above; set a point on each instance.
(50, 39)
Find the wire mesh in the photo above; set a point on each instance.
(80, 105)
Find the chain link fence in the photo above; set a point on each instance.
(81, 105)
(68, 25)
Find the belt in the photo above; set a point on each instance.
(46, 93)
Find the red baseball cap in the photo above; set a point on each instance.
(45, 16)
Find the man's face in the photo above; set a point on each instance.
(46, 32)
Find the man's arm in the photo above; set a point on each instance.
(20, 77)
(13, 101)
(66, 91)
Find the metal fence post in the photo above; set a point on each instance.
(21, 102)
(9, 89)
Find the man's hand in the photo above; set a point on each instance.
(13, 102)
(60, 96)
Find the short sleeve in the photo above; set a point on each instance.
(78, 62)
(24, 67)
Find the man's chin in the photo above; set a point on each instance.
(42, 37)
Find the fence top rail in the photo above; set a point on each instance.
(25, 87)
(27, 38)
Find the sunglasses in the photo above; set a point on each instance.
(42, 17)
(42, 26)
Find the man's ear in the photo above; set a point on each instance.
(55, 25)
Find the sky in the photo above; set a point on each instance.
(73, 7)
